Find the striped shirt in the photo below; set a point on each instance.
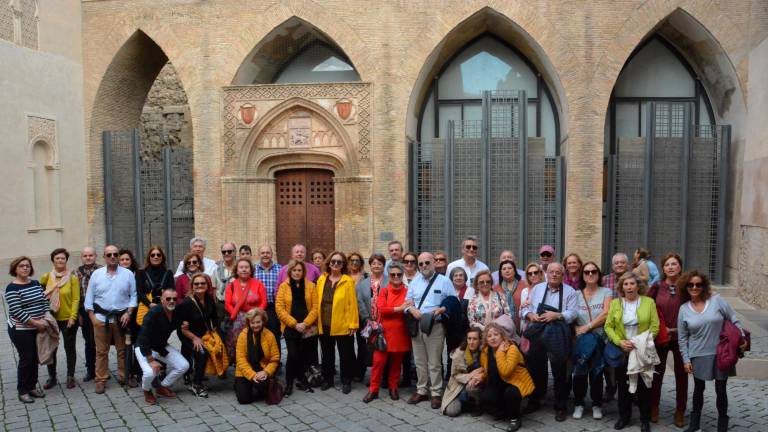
(25, 302)
(269, 278)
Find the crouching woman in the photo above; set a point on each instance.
(507, 379)
(257, 358)
(467, 376)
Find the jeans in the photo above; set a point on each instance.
(175, 366)
(595, 388)
(197, 361)
(69, 336)
(90, 343)
(681, 377)
(538, 357)
(505, 398)
(248, 391)
(25, 342)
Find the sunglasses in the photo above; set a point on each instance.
(545, 255)
(337, 262)
(699, 285)
(470, 247)
(485, 282)
(409, 261)
(355, 261)
(440, 260)
(534, 273)
(171, 299)
(155, 255)
(425, 263)
(590, 272)
(396, 275)
(227, 251)
(193, 262)
(200, 284)
(112, 255)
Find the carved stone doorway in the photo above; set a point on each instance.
(304, 211)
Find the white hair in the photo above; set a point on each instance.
(197, 239)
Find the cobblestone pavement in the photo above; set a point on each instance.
(124, 409)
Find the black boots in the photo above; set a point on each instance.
(695, 422)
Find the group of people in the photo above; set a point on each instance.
(504, 331)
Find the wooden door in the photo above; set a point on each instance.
(305, 211)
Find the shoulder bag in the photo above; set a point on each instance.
(412, 323)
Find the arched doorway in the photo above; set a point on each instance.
(487, 162)
(667, 161)
(305, 210)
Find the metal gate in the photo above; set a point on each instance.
(487, 178)
(667, 190)
(148, 195)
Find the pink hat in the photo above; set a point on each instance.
(547, 248)
(508, 324)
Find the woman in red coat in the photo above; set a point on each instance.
(390, 305)
(240, 296)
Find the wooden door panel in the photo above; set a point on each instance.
(304, 210)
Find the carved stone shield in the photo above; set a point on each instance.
(247, 113)
(344, 108)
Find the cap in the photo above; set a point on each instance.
(547, 248)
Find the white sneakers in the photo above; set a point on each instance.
(578, 411)
(597, 413)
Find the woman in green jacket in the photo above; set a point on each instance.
(631, 314)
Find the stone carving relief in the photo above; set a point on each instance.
(350, 103)
(298, 129)
(43, 129)
(19, 22)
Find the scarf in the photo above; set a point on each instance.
(255, 351)
(84, 273)
(53, 288)
(472, 359)
(510, 293)
(375, 287)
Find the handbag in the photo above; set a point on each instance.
(275, 391)
(313, 376)
(381, 343)
(411, 323)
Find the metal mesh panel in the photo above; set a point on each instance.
(704, 193)
(153, 201)
(504, 212)
(505, 113)
(182, 202)
(467, 186)
(429, 195)
(628, 211)
(541, 209)
(121, 188)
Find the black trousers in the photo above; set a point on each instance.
(346, 346)
(595, 388)
(197, 361)
(363, 358)
(722, 396)
(248, 391)
(273, 323)
(69, 336)
(537, 360)
(302, 352)
(90, 343)
(642, 396)
(25, 342)
(504, 398)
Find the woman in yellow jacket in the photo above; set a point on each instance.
(507, 381)
(338, 320)
(296, 307)
(257, 356)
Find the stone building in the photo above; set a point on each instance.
(347, 124)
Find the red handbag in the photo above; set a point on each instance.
(662, 338)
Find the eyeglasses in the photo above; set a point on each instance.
(112, 255)
(23, 266)
(485, 282)
(200, 284)
(699, 285)
(337, 262)
(409, 261)
(555, 272)
(227, 251)
(355, 261)
(195, 262)
(440, 260)
(425, 263)
(590, 272)
(171, 299)
(396, 275)
(545, 255)
(155, 255)
(470, 247)
(534, 273)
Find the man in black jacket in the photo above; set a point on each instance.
(152, 346)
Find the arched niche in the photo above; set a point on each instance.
(296, 52)
(44, 177)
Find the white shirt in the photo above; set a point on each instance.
(208, 264)
(471, 271)
(629, 316)
(114, 291)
